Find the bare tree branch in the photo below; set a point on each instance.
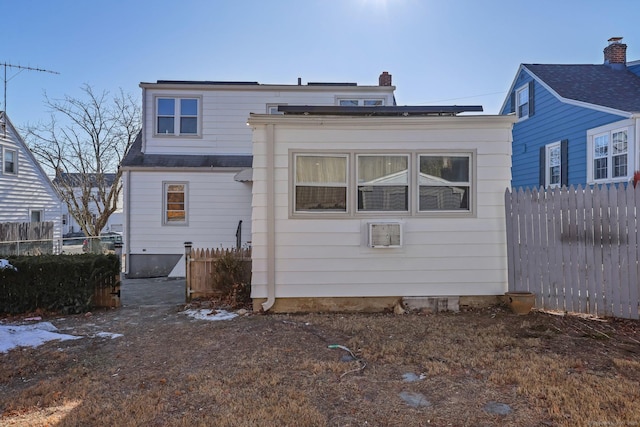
(85, 139)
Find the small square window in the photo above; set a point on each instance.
(177, 114)
(444, 183)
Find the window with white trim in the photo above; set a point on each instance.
(177, 116)
(10, 161)
(444, 182)
(35, 215)
(175, 203)
(609, 156)
(553, 167)
(363, 183)
(320, 183)
(383, 182)
(522, 102)
(355, 102)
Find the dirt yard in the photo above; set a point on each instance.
(477, 368)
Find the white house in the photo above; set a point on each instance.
(363, 209)
(75, 181)
(26, 193)
(188, 175)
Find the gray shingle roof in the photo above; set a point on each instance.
(135, 158)
(593, 84)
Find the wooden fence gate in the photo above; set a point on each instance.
(200, 267)
(577, 249)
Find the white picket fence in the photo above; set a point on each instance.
(576, 248)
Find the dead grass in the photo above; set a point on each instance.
(170, 370)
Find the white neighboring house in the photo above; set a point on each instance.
(70, 225)
(363, 211)
(26, 193)
(188, 176)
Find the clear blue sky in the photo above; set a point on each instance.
(438, 51)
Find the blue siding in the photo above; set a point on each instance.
(552, 121)
(635, 69)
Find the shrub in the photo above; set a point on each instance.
(232, 278)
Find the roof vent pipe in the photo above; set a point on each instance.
(299, 81)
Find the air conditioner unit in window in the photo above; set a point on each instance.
(385, 235)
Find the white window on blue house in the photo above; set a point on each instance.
(554, 165)
(609, 155)
(177, 116)
(522, 102)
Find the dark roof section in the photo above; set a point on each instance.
(330, 84)
(135, 158)
(206, 82)
(412, 110)
(593, 84)
(78, 179)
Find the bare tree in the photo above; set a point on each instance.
(83, 144)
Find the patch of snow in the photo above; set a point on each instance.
(410, 377)
(212, 315)
(12, 336)
(108, 335)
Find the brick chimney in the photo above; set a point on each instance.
(615, 55)
(385, 79)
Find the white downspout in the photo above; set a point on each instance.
(126, 178)
(271, 220)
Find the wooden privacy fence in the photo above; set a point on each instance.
(200, 266)
(26, 238)
(576, 248)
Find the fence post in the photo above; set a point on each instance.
(187, 259)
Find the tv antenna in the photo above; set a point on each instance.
(21, 69)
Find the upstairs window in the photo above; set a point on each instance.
(10, 161)
(353, 102)
(522, 102)
(177, 116)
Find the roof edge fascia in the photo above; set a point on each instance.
(267, 87)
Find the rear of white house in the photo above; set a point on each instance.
(188, 178)
(386, 205)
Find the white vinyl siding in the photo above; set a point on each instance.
(224, 112)
(326, 256)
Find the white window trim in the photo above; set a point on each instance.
(517, 101)
(361, 101)
(547, 164)
(622, 125)
(352, 185)
(408, 183)
(31, 211)
(177, 116)
(15, 161)
(165, 185)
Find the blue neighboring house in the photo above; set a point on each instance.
(578, 124)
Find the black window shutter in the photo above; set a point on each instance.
(532, 104)
(512, 108)
(564, 162)
(543, 166)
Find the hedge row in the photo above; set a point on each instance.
(58, 283)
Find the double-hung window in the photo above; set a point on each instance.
(609, 154)
(554, 165)
(177, 116)
(383, 182)
(522, 102)
(354, 102)
(444, 182)
(10, 161)
(320, 183)
(175, 203)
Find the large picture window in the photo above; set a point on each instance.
(177, 116)
(320, 183)
(383, 183)
(444, 183)
(175, 203)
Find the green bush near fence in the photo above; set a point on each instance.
(56, 283)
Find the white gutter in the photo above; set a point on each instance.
(271, 220)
